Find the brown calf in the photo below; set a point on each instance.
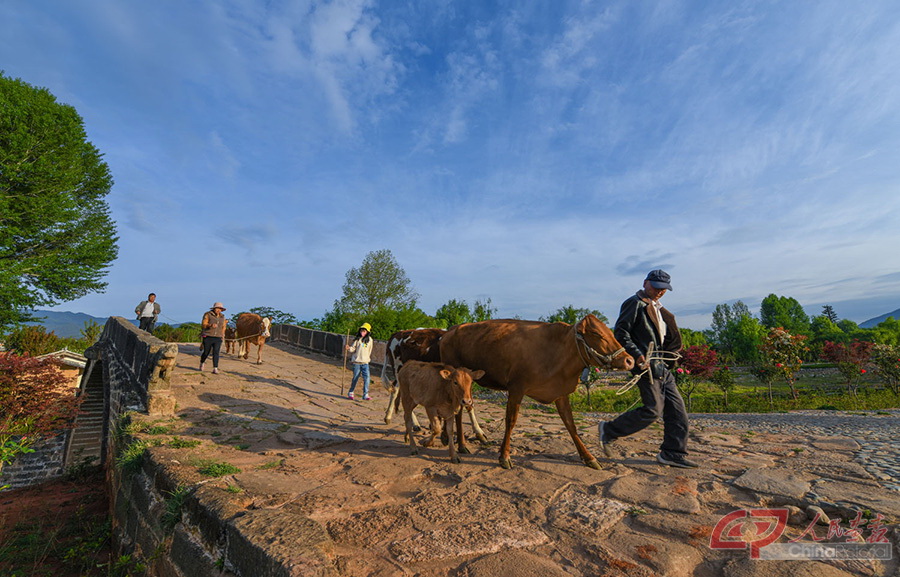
(442, 390)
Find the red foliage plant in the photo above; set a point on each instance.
(36, 400)
(700, 360)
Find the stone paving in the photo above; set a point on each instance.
(877, 432)
(312, 460)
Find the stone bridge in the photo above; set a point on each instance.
(268, 470)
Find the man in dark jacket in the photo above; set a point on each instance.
(642, 322)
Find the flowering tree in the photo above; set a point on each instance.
(782, 353)
(886, 359)
(850, 360)
(36, 403)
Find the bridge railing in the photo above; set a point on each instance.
(331, 344)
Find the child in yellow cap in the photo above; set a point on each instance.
(361, 354)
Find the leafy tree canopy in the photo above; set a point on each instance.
(784, 312)
(276, 316)
(456, 312)
(570, 314)
(56, 235)
(379, 282)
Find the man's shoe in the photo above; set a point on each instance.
(201, 367)
(367, 398)
(677, 461)
(350, 396)
(604, 440)
(215, 370)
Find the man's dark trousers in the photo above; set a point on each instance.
(660, 397)
(147, 324)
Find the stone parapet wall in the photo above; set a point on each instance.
(138, 367)
(181, 527)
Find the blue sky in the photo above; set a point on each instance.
(538, 154)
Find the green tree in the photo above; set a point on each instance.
(887, 332)
(379, 282)
(56, 235)
(735, 333)
(483, 310)
(571, 315)
(454, 312)
(276, 316)
(691, 338)
(724, 319)
(822, 329)
(784, 312)
(828, 313)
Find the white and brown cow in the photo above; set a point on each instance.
(442, 390)
(404, 346)
(250, 328)
(417, 345)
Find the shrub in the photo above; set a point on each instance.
(36, 403)
(850, 359)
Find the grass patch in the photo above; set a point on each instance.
(217, 469)
(131, 458)
(174, 505)
(179, 443)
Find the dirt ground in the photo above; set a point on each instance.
(58, 528)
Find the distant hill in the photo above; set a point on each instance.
(872, 322)
(65, 324)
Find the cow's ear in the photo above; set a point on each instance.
(476, 375)
(445, 374)
(582, 324)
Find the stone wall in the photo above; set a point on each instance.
(138, 365)
(181, 528)
(45, 463)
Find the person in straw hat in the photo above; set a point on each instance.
(212, 334)
(361, 354)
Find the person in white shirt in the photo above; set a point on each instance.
(361, 354)
(147, 312)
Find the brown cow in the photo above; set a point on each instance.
(442, 390)
(251, 329)
(229, 341)
(538, 359)
(416, 345)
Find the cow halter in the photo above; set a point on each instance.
(588, 354)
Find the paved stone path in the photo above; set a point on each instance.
(323, 461)
(877, 432)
